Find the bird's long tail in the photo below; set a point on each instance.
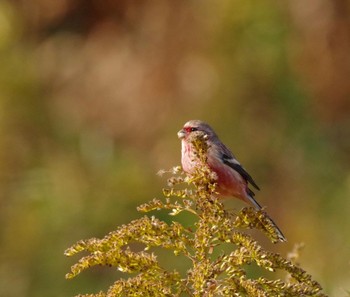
(280, 235)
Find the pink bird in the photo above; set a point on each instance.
(232, 178)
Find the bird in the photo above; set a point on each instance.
(232, 178)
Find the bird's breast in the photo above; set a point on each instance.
(189, 160)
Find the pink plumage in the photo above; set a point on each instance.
(232, 179)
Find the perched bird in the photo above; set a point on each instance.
(232, 179)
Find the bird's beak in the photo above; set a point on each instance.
(181, 134)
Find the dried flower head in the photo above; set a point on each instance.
(213, 272)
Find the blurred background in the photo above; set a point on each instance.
(92, 94)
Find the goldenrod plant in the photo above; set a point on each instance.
(213, 271)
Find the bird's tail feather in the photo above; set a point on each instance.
(280, 235)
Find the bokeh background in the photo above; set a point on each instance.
(92, 94)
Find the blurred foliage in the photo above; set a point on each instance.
(93, 92)
(224, 274)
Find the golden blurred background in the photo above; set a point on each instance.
(92, 94)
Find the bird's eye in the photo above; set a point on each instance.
(190, 129)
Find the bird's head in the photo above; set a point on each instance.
(194, 127)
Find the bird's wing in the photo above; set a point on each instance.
(230, 161)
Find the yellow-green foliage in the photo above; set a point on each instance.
(223, 275)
